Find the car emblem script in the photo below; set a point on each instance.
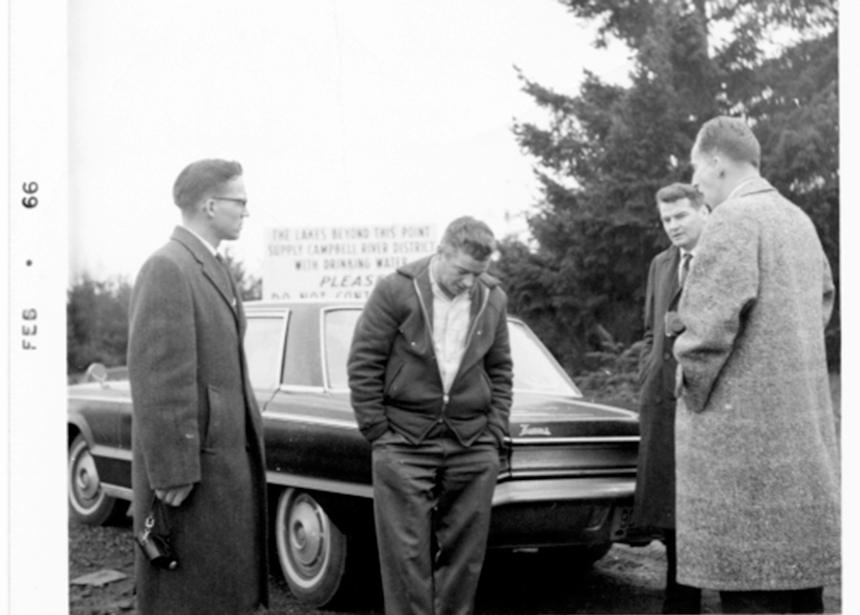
(528, 430)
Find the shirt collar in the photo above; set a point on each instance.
(208, 245)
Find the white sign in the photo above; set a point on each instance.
(338, 262)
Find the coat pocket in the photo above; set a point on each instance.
(391, 383)
(489, 388)
(226, 428)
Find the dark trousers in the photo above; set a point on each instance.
(782, 601)
(432, 510)
(679, 598)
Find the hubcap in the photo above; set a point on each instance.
(85, 477)
(306, 534)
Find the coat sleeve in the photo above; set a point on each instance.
(721, 288)
(829, 291)
(368, 358)
(648, 339)
(162, 363)
(499, 367)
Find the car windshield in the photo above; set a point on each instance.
(535, 371)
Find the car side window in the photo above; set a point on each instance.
(339, 327)
(264, 345)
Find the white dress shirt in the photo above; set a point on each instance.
(450, 327)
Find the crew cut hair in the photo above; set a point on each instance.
(199, 178)
(677, 191)
(471, 236)
(730, 136)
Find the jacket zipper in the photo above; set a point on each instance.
(486, 299)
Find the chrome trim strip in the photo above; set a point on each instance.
(583, 439)
(319, 484)
(539, 419)
(100, 450)
(110, 399)
(301, 388)
(312, 420)
(579, 398)
(567, 489)
(527, 442)
(115, 491)
(592, 404)
(563, 489)
(517, 474)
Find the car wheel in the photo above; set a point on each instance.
(311, 549)
(87, 500)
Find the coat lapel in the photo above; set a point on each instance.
(425, 296)
(669, 285)
(211, 268)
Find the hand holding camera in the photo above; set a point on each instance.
(154, 539)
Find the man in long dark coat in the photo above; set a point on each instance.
(683, 214)
(197, 430)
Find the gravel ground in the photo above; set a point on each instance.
(627, 580)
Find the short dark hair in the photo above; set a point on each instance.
(677, 191)
(471, 236)
(730, 136)
(199, 178)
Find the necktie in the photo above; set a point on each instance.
(685, 268)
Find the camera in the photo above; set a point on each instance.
(156, 547)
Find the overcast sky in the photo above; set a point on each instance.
(341, 112)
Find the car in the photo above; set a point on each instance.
(566, 483)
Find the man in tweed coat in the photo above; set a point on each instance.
(756, 451)
(197, 430)
(683, 214)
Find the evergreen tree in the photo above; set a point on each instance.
(96, 323)
(606, 151)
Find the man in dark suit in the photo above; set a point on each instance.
(683, 214)
(197, 430)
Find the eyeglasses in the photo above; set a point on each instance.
(242, 202)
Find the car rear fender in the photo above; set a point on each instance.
(77, 424)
